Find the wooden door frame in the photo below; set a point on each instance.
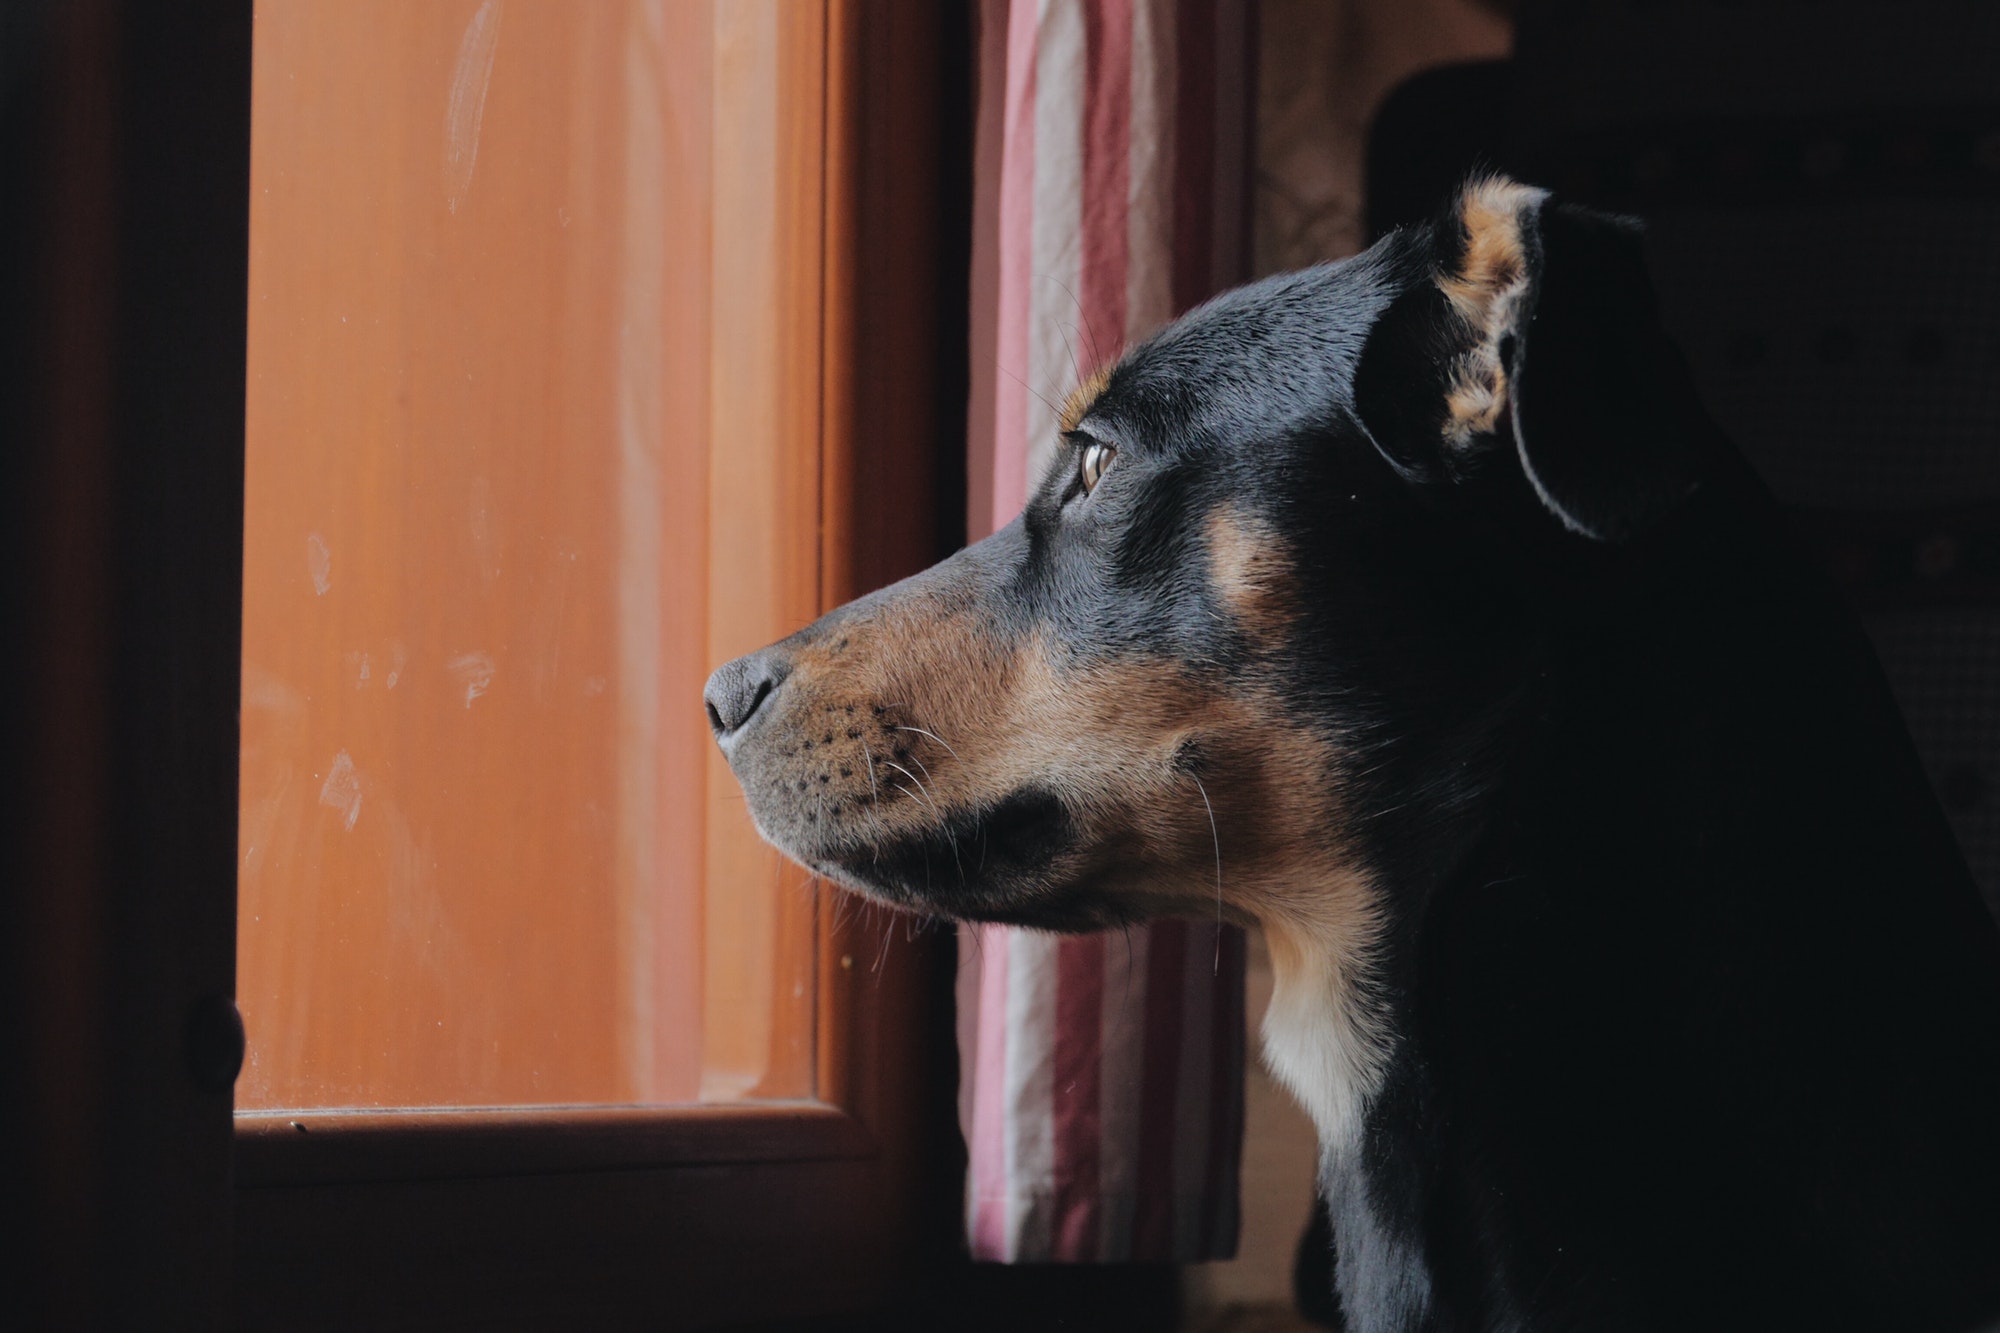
(126, 170)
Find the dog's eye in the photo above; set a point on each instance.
(1096, 461)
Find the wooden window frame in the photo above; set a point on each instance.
(150, 1201)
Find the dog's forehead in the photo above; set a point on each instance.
(1281, 351)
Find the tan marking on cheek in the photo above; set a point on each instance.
(1486, 290)
(1267, 800)
(1083, 397)
(1251, 573)
(1111, 739)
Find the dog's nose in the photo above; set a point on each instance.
(738, 689)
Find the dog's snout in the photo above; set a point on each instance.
(738, 689)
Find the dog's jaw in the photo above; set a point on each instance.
(1326, 1038)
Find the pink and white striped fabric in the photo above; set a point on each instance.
(1101, 1093)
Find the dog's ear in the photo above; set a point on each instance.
(1531, 325)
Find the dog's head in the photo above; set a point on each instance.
(1255, 624)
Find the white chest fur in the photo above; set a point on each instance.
(1323, 1037)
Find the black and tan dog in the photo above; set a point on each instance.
(1623, 957)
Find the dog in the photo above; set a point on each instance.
(1411, 610)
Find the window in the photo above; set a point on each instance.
(532, 443)
(558, 315)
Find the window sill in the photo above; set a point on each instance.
(281, 1148)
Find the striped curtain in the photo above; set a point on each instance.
(1102, 1093)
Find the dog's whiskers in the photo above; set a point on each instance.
(951, 838)
(887, 931)
(1216, 838)
(926, 767)
(874, 793)
(882, 830)
(1083, 315)
(1054, 409)
(890, 763)
(934, 736)
(1063, 332)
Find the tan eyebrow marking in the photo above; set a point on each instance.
(1083, 397)
(1251, 572)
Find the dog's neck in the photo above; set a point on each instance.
(1340, 924)
(1340, 952)
(1331, 1029)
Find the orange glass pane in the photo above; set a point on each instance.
(532, 443)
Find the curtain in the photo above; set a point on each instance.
(1102, 1076)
